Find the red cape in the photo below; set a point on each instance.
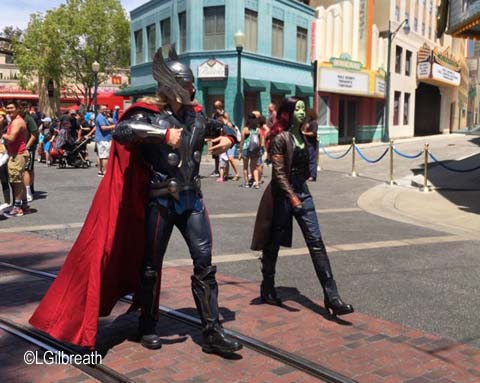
(105, 261)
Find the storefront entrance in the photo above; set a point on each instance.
(427, 110)
(346, 120)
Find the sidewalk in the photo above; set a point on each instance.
(451, 204)
(361, 347)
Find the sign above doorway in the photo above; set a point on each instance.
(212, 69)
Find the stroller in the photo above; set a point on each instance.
(75, 155)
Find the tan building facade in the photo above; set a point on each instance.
(429, 77)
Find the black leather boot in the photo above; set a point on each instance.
(205, 294)
(267, 291)
(321, 263)
(148, 337)
(267, 287)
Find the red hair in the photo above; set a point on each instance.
(283, 120)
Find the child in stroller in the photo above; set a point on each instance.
(70, 152)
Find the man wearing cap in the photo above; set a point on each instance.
(103, 138)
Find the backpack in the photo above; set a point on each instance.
(254, 142)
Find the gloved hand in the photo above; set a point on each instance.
(298, 210)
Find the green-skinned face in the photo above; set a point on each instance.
(299, 112)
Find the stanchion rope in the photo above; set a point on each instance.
(452, 169)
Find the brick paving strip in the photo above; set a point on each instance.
(362, 347)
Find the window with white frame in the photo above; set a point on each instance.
(406, 108)
(138, 35)
(301, 44)
(214, 28)
(182, 24)
(166, 36)
(251, 30)
(396, 108)
(277, 38)
(151, 41)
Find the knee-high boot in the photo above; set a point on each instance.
(149, 286)
(321, 263)
(267, 287)
(205, 294)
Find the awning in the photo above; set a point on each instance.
(137, 90)
(303, 90)
(280, 87)
(255, 85)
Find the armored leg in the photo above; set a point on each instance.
(195, 228)
(311, 232)
(159, 228)
(205, 294)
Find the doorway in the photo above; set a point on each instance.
(347, 116)
(427, 110)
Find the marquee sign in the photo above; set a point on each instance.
(212, 69)
(435, 66)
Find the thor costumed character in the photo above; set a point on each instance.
(153, 184)
(288, 196)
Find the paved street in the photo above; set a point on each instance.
(394, 265)
(426, 283)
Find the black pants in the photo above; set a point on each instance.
(310, 228)
(194, 227)
(5, 184)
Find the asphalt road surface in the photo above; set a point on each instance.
(409, 274)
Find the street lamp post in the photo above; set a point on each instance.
(95, 69)
(239, 39)
(390, 35)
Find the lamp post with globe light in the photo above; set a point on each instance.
(239, 39)
(95, 69)
(390, 36)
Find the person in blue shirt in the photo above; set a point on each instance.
(103, 138)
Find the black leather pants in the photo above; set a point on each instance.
(195, 229)
(310, 228)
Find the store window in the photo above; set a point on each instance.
(277, 38)
(415, 24)
(166, 36)
(251, 30)
(406, 108)
(138, 46)
(408, 63)
(214, 28)
(151, 41)
(396, 108)
(182, 24)
(301, 44)
(323, 111)
(380, 113)
(398, 59)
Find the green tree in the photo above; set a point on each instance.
(62, 45)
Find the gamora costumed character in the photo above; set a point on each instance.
(288, 196)
(152, 184)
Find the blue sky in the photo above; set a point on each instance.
(17, 12)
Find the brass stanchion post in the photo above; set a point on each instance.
(425, 187)
(354, 172)
(391, 182)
